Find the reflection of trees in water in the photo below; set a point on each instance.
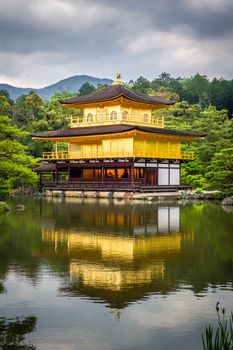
(13, 331)
(2, 289)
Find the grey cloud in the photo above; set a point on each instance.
(167, 14)
(98, 37)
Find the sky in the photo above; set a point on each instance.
(44, 41)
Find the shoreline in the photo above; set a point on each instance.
(149, 196)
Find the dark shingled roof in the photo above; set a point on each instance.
(111, 129)
(45, 168)
(114, 91)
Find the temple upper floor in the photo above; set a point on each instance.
(116, 114)
(116, 104)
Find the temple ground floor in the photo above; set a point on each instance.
(138, 175)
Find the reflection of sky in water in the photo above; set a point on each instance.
(74, 323)
(148, 277)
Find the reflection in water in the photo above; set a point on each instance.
(13, 331)
(2, 289)
(128, 258)
(147, 262)
(117, 253)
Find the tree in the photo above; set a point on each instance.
(101, 86)
(140, 85)
(57, 116)
(86, 88)
(219, 135)
(28, 109)
(220, 175)
(7, 95)
(196, 90)
(15, 164)
(5, 106)
(164, 93)
(221, 92)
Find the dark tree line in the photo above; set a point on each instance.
(195, 90)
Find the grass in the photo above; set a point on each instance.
(220, 338)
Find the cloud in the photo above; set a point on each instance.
(60, 38)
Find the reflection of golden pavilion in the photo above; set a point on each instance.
(113, 278)
(112, 265)
(116, 247)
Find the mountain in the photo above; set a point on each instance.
(71, 84)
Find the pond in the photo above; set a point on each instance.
(102, 275)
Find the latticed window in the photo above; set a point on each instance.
(125, 115)
(113, 115)
(145, 117)
(90, 117)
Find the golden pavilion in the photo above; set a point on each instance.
(118, 144)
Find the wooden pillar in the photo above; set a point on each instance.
(102, 174)
(56, 150)
(116, 173)
(146, 175)
(68, 171)
(132, 174)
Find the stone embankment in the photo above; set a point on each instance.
(151, 196)
(4, 207)
(227, 201)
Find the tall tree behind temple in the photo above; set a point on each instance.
(27, 110)
(221, 94)
(140, 85)
(86, 89)
(6, 104)
(196, 90)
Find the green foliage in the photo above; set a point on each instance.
(140, 85)
(164, 93)
(15, 164)
(86, 88)
(5, 187)
(58, 117)
(212, 168)
(27, 110)
(5, 106)
(4, 208)
(222, 337)
(220, 174)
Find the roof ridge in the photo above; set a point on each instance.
(112, 92)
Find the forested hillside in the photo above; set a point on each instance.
(71, 84)
(203, 105)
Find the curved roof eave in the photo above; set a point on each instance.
(114, 92)
(111, 129)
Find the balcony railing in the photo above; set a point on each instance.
(118, 154)
(116, 118)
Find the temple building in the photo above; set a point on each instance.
(118, 144)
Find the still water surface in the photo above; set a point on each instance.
(113, 276)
